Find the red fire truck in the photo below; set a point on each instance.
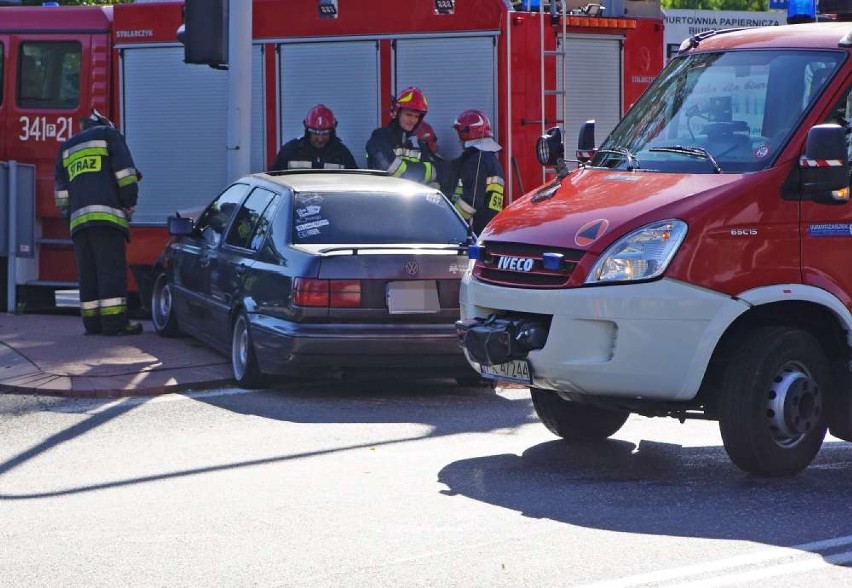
(697, 265)
(527, 70)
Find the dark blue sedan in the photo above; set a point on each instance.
(319, 273)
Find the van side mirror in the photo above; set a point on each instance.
(586, 141)
(180, 226)
(549, 148)
(824, 168)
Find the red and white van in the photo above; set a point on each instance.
(698, 265)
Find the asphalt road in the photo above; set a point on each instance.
(395, 484)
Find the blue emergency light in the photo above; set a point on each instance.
(800, 11)
(552, 261)
(475, 251)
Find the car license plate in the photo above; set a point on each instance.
(517, 370)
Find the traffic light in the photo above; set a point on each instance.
(204, 33)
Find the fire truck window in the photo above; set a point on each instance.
(49, 74)
(841, 115)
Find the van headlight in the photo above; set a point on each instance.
(641, 255)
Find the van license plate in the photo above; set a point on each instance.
(517, 370)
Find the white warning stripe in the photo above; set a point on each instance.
(758, 557)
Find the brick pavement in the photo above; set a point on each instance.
(48, 354)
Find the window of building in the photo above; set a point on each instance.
(49, 74)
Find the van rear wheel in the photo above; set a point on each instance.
(574, 421)
(775, 388)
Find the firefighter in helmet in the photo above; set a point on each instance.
(319, 148)
(395, 147)
(478, 193)
(96, 185)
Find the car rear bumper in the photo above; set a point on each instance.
(286, 347)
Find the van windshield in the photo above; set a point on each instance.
(725, 112)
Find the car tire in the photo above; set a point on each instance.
(574, 421)
(244, 366)
(163, 309)
(776, 387)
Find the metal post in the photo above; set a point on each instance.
(239, 88)
(12, 268)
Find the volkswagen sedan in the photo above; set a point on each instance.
(308, 272)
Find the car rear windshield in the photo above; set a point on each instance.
(375, 218)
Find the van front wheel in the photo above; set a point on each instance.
(772, 403)
(574, 421)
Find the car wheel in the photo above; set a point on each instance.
(162, 308)
(775, 388)
(574, 421)
(243, 361)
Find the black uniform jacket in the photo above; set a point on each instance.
(96, 179)
(479, 192)
(300, 154)
(391, 148)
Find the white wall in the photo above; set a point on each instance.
(681, 23)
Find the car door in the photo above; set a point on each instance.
(191, 260)
(229, 264)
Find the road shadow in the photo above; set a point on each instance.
(440, 404)
(662, 489)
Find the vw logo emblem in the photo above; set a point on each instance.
(411, 268)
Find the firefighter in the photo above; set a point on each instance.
(395, 147)
(478, 193)
(96, 189)
(319, 148)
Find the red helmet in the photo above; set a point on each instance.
(426, 134)
(413, 99)
(320, 120)
(473, 124)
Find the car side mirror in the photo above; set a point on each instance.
(549, 148)
(586, 141)
(180, 226)
(824, 167)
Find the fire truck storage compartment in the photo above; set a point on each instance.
(591, 91)
(178, 132)
(428, 63)
(343, 75)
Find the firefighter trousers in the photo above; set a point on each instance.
(102, 271)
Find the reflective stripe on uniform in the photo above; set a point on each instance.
(89, 308)
(126, 176)
(61, 198)
(98, 212)
(99, 145)
(494, 188)
(299, 165)
(404, 153)
(110, 306)
(398, 167)
(333, 166)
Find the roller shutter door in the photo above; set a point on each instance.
(343, 75)
(175, 118)
(455, 74)
(593, 70)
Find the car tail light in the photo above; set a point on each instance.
(327, 293)
(344, 293)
